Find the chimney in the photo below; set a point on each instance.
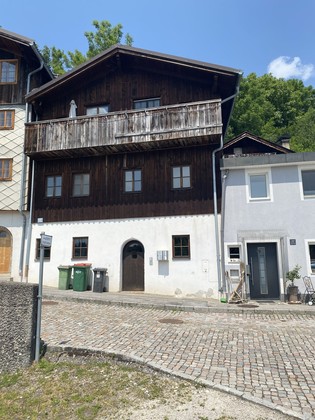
(284, 140)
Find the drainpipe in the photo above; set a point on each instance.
(221, 281)
(23, 179)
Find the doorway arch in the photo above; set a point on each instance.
(5, 251)
(133, 267)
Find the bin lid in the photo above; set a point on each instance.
(99, 269)
(64, 266)
(82, 265)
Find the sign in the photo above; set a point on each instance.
(45, 241)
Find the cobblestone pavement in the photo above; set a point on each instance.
(264, 357)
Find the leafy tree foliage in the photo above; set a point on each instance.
(104, 36)
(269, 107)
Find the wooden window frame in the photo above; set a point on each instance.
(97, 108)
(6, 126)
(54, 186)
(133, 182)
(47, 251)
(3, 169)
(179, 248)
(140, 104)
(80, 248)
(181, 178)
(15, 62)
(81, 194)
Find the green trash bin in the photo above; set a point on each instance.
(64, 277)
(80, 277)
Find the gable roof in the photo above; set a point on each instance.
(252, 143)
(21, 45)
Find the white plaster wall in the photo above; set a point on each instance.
(13, 221)
(287, 215)
(196, 276)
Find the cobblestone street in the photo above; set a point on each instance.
(263, 357)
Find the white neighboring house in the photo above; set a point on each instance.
(21, 68)
(268, 214)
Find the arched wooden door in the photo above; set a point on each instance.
(5, 251)
(133, 267)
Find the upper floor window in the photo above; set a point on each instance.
(53, 186)
(6, 119)
(146, 103)
(181, 177)
(258, 186)
(308, 182)
(133, 180)
(5, 169)
(8, 71)
(97, 110)
(80, 247)
(181, 246)
(81, 185)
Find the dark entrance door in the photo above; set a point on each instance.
(133, 267)
(263, 278)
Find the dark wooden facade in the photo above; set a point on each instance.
(182, 131)
(15, 47)
(107, 198)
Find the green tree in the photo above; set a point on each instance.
(269, 107)
(104, 36)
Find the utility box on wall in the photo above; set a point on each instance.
(162, 255)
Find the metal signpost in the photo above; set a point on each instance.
(45, 242)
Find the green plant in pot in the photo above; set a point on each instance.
(292, 289)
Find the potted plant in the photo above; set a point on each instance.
(292, 289)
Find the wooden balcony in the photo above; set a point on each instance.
(171, 126)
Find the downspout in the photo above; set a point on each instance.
(23, 179)
(221, 282)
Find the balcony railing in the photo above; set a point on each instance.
(190, 123)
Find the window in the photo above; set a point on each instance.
(80, 248)
(181, 177)
(146, 103)
(46, 251)
(81, 185)
(97, 110)
(53, 186)
(6, 120)
(312, 256)
(308, 182)
(5, 169)
(8, 71)
(133, 181)
(234, 252)
(181, 246)
(258, 185)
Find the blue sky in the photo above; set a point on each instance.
(258, 36)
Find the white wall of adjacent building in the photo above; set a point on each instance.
(196, 276)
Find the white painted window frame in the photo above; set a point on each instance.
(267, 174)
(301, 169)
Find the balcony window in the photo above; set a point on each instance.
(8, 71)
(80, 248)
(53, 186)
(181, 246)
(97, 110)
(133, 181)
(6, 119)
(146, 103)
(308, 182)
(81, 185)
(6, 169)
(181, 177)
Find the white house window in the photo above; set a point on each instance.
(97, 110)
(311, 248)
(258, 186)
(234, 252)
(308, 182)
